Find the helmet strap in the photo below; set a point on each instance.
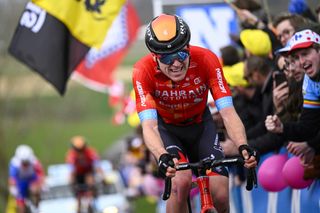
(158, 66)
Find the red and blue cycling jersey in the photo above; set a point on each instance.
(22, 176)
(186, 100)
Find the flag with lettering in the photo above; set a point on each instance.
(44, 44)
(52, 46)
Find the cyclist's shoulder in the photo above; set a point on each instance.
(91, 151)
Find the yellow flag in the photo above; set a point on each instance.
(87, 20)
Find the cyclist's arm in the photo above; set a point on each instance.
(233, 125)
(152, 137)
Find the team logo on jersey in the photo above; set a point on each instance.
(177, 94)
(220, 80)
(197, 80)
(197, 100)
(141, 94)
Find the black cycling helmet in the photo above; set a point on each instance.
(167, 34)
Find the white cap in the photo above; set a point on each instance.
(300, 40)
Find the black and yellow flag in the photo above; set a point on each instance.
(53, 37)
(87, 20)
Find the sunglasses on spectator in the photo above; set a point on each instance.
(286, 32)
(169, 59)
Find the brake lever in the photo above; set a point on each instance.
(251, 179)
(167, 189)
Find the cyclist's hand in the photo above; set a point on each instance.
(251, 159)
(166, 165)
(250, 156)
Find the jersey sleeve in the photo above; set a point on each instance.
(92, 154)
(218, 85)
(13, 173)
(39, 169)
(70, 157)
(142, 85)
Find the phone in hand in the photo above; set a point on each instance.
(279, 78)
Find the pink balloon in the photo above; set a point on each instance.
(270, 173)
(293, 174)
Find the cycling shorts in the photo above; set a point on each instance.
(193, 142)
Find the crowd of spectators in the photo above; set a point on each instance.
(278, 97)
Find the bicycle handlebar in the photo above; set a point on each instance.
(210, 163)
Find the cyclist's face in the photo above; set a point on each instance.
(307, 59)
(25, 164)
(176, 70)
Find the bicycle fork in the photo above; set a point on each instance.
(205, 195)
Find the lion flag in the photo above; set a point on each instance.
(87, 20)
(53, 46)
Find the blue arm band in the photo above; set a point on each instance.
(148, 114)
(224, 102)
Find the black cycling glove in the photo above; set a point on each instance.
(251, 151)
(251, 173)
(165, 161)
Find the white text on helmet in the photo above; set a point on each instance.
(148, 31)
(182, 28)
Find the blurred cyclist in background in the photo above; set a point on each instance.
(85, 169)
(25, 177)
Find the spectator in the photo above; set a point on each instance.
(286, 24)
(25, 177)
(318, 13)
(256, 42)
(133, 165)
(304, 47)
(301, 7)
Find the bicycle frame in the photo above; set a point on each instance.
(203, 183)
(205, 195)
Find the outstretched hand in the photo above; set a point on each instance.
(274, 124)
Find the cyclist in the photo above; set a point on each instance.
(171, 86)
(85, 168)
(25, 177)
